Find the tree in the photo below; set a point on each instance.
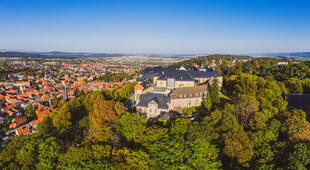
(245, 107)
(30, 111)
(238, 145)
(131, 125)
(201, 131)
(188, 111)
(62, 119)
(300, 157)
(169, 153)
(203, 155)
(215, 91)
(105, 111)
(99, 134)
(27, 155)
(86, 157)
(138, 160)
(175, 153)
(8, 155)
(294, 85)
(124, 92)
(152, 134)
(207, 102)
(48, 154)
(292, 125)
(46, 126)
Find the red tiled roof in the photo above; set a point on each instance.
(18, 121)
(23, 130)
(36, 122)
(138, 87)
(43, 114)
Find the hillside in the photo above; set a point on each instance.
(248, 128)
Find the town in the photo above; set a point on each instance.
(28, 90)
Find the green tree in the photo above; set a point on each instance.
(131, 125)
(203, 155)
(207, 102)
(299, 158)
(30, 111)
(46, 126)
(138, 160)
(48, 154)
(62, 119)
(152, 134)
(215, 91)
(294, 85)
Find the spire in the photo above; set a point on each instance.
(202, 64)
(202, 67)
(65, 95)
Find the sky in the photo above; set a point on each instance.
(158, 26)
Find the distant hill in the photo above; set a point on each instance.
(21, 54)
(55, 54)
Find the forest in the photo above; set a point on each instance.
(251, 128)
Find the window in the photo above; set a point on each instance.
(161, 83)
(184, 95)
(150, 110)
(190, 95)
(196, 94)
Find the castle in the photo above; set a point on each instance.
(173, 88)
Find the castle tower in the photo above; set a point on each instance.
(138, 90)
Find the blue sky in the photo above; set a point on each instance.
(158, 26)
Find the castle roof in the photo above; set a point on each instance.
(147, 98)
(179, 73)
(189, 92)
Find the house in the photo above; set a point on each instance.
(42, 114)
(21, 83)
(281, 63)
(18, 121)
(24, 130)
